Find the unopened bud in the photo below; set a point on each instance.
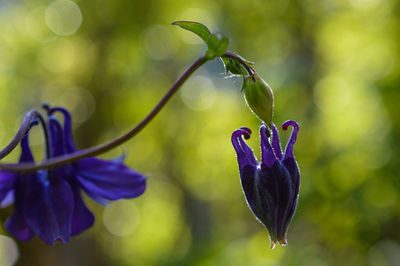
(259, 97)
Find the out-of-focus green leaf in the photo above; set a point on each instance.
(197, 28)
(217, 44)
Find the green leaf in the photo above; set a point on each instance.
(195, 27)
(217, 44)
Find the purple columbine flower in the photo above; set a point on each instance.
(271, 187)
(48, 203)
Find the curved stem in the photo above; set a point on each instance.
(30, 115)
(93, 151)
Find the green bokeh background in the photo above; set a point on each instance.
(333, 65)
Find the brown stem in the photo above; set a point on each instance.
(30, 115)
(93, 151)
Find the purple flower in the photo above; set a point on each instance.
(271, 187)
(48, 203)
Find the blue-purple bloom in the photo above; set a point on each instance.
(48, 203)
(271, 187)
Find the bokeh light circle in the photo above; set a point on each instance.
(332, 94)
(8, 251)
(121, 218)
(35, 25)
(63, 17)
(198, 93)
(159, 42)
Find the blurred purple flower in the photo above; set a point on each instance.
(48, 203)
(271, 187)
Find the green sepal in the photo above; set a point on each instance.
(233, 66)
(217, 44)
(197, 28)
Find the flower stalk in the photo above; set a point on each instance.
(96, 150)
(23, 130)
(93, 151)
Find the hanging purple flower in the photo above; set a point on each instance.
(43, 202)
(271, 187)
(48, 203)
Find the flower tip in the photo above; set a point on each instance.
(34, 122)
(247, 132)
(53, 118)
(59, 240)
(283, 241)
(290, 123)
(264, 130)
(273, 244)
(46, 106)
(243, 131)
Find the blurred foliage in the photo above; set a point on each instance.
(333, 65)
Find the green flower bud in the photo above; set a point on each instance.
(259, 97)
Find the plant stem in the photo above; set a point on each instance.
(25, 126)
(93, 151)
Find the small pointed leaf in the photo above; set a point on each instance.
(197, 28)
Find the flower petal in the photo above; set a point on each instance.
(291, 166)
(276, 145)
(8, 200)
(82, 218)
(26, 154)
(272, 198)
(48, 208)
(7, 180)
(267, 155)
(260, 198)
(284, 194)
(109, 180)
(69, 141)
(293, 137)
(245, 155)
(16, 223)
(56, 137)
